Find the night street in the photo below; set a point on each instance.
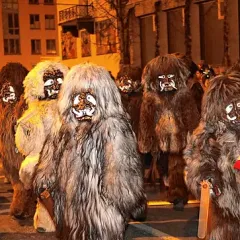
(162, 222)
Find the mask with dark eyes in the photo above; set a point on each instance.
(207, 72)
(8, 94)
(53, 80)
(233, 112)
(125, 84)
(84, 106)
(167, 82)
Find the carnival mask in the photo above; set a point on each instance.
(167, 82)
(125, 84)
(84, 106)
(206, 71)
(8, 94)
(233, 112)
(52, 82)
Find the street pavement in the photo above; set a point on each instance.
(162, 223)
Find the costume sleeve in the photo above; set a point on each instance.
(123, 176)
(201, 155)
(146, 131)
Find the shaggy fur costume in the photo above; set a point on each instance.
(129, 83)
(35, 124)
(212, 153)
(167, 117)
(11, 76)
(91, 164)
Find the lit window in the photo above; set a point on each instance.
(33, 2)
(51, 46)
(49, 22)
(11, 46)
(36, 46)
(34, 21)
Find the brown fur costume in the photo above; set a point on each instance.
(12, 105)
(91, 164)
(167, 117)
(36, 122)
(213, 151)
(129, 83)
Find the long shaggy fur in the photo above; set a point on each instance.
(167, 117)
(211, 153)
(33, 128)
(93, 168)
(34, 84)
(132, 101)
(23, 200)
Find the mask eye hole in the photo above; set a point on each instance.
(49, 82)
(60, 80)
(161, 76)
(229, 108)
(76, 100)
(91, 99)
(170, 75)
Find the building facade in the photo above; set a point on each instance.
(155, 27)
(28, 31)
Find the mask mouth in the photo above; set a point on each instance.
(84, 106)
(52, 93)
(84, 114)
(167, 86)
(126, 88)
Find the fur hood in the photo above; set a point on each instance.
(34, 84)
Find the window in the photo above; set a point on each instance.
(36, 46)
(11, 46)
(48, 2)
(10, 4)
(49, 22)
(13, 24)
(33, 2)
(51, 46)
(34, 21)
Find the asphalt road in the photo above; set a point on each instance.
(162, 223)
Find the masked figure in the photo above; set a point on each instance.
(91, 164)
(41, 88)
(212, 154)
(12, 105)
(168, 113)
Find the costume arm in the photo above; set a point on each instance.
(201, 155)
(46, 168)
(123, 179)
(29, 139)
(146, 131)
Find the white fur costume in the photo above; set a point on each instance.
(33, 127)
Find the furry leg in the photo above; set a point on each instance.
(23, 203)
(177, 192)
(42, 220)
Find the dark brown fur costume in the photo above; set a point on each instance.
(92, 166)
(131, 100)
(211, 153)
(166, 119)
(23, 204)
